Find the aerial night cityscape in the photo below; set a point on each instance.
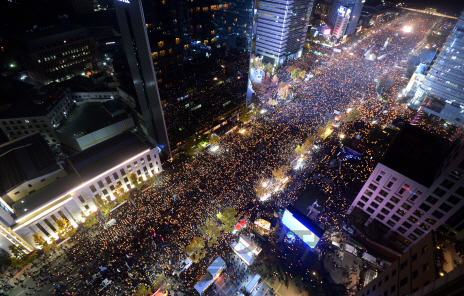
(232, 147)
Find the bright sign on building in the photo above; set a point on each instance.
(326, 31)
(306, 235)
(125, 1)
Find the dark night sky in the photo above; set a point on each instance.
(449, 6)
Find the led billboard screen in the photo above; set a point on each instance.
(326, 31)
(300, 230)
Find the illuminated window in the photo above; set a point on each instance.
(198, 9)
(160, 43)
(212, 32)
(177, 40)
(170, 51)
(186, 46)
(163, 2)
(154, 54)
(162, 53)
(206, 41)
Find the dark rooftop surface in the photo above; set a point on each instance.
(87, 118)
(416, 154)
(107, 154)
(32, 104)
(24, 159)
(46, 194)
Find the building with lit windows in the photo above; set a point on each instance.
(417, 186)
(56, 54)
(41, 112)
(96, 170)
(281, 29)
(427, 268)
(343, 19)
(234, 25)
(445, 79)
(355, 7)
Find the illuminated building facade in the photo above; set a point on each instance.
(343, 19)
(445, 79)
(281, 29)
(96, 170)
(355, 6)
(137, 47)
(56, 54)
(405, 197)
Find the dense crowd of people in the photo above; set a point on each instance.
(151, 232)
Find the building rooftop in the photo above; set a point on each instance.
(87, 164)
(46, 195)
(30, 41)
(108, 154)
(25, 159)
(87, 118)
(32, 105)
(416, 154)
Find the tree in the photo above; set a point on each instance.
(352, 115)
(120, 194)
(284, 92)
(272, 102)
(143, 290)
(213, 230)
(42, 243)
(261, 191)
(258, 63)
(135, 181)
(295, 73)
(275, 80)
(245, 114)
(195, 250)
(191, 147)
(90, 221)
(308, 143)
(268, 68)
(300, 149)
(227, 217)
(302, 74)
(23, 261)
(18, 251)
(252, 62)
(103, 204)
(65, 229)
(279, 174)
(214, 139)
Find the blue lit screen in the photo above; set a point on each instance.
(306, 235)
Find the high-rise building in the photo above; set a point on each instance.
(445, 79)
(343, 19)
(233, 26)
(281, 29)
(134, 35)
(417, 186)
(355, 7)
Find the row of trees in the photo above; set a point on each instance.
(64, 227)
(196, 249)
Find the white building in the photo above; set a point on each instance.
(94, 171)
(342, 21)
(281, 29)
(418, 186)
